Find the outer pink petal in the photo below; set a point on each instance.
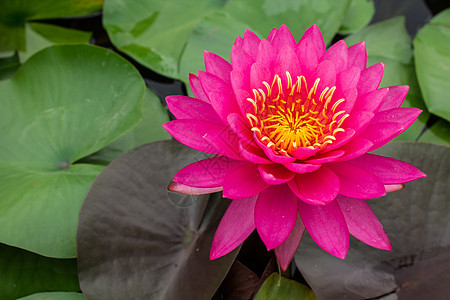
(227, 143)
(371, 101)
(183, 107)
(286, 251)
(190, 190)
(253, 154)
(307, 56)
(242, 182)
(224, 104)
(357, 182)
(258, 74)
(250, 43)
(275, 215)
(338, 54)
(240, 81)
(381, 133)
(357, 55)
(325, 157)
(388, 170)
(275, 174)
(348, 79)
(355, 148)
(362, 223)
(236, 225)
(241, 60)
(370, 78)
(267, 55)
(196, 88)
(316, 188)
(283, 37)
(402, 115)
(313, 33)
(207, 173)
(240, 127)
(358, 120)
(212, 83)
(302, 168)
(327, 227)
(393, 187)
(287, 61)
(218, 66)
(202, 135)
(395, 97)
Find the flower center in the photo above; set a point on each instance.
(291, 117)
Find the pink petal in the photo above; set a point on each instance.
(304, 153)
(327, 227)
(183, 107)
(357, 182)
(358, 120)
(327, 74)
(287, 61)
(402, 115)
(357, 56)
(240, 127)
(218, 66)
(347, 79)
(253, 154)
(302, 168)
(212, 83)
(393, 187)
(307, 56)
(241, 60)
(196, 88)
(317, 188)
(235, 227)
(355, 148)
(282, 159)
(370, 78)
(286, 251)
(207, 173)
(275, 215)
(189, 190)
(242, 182)
(283, 37)
(258, 74)
(313, 33)
(267, 55)
(395, 97)
(250, 43)
(224, 104)
(350, 96)
(371, 101)
(226, 143)
(202, 135)
(240, 81)
(338, 54)
(272, 34)
(341, 139)
(388, 170)
(362, 223)
(381, 133)
(325, 157)
(275, 174)
(244, 105)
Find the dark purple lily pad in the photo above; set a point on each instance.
(135, 243)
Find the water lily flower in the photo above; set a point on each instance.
(291, 124)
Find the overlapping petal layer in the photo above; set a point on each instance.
(292, 124)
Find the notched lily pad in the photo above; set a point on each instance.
(134, 243)
(416, 220)
(278, 287)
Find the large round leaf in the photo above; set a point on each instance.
(156, 33)
(65, 103)
(389, 43)
(358, 15)
(417, 221)
(432, 56)
(24, 273)
(135, 243)
(55, 296)
(438, 133)
(278, 287)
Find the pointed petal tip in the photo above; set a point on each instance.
(189, 190)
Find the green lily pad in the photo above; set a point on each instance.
(358, 16)
(156, 33)
(150, 129)
(279, 287)
(432, 57)
(15, 13)
(9, 65)
(135, 243)
(55, 296)
(438, 133)
(64, 103)
(390, 43)
(416, 220)
(24, 273)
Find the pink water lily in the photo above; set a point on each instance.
(291, 125)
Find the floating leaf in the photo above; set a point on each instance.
(63, 104)
(389, 43)
(432, 57)
(24, 273)
(358, 16)
(416, 220)
(279, 287)
(9, 66)
(55, 296)
(438, 133)
(135, 243)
